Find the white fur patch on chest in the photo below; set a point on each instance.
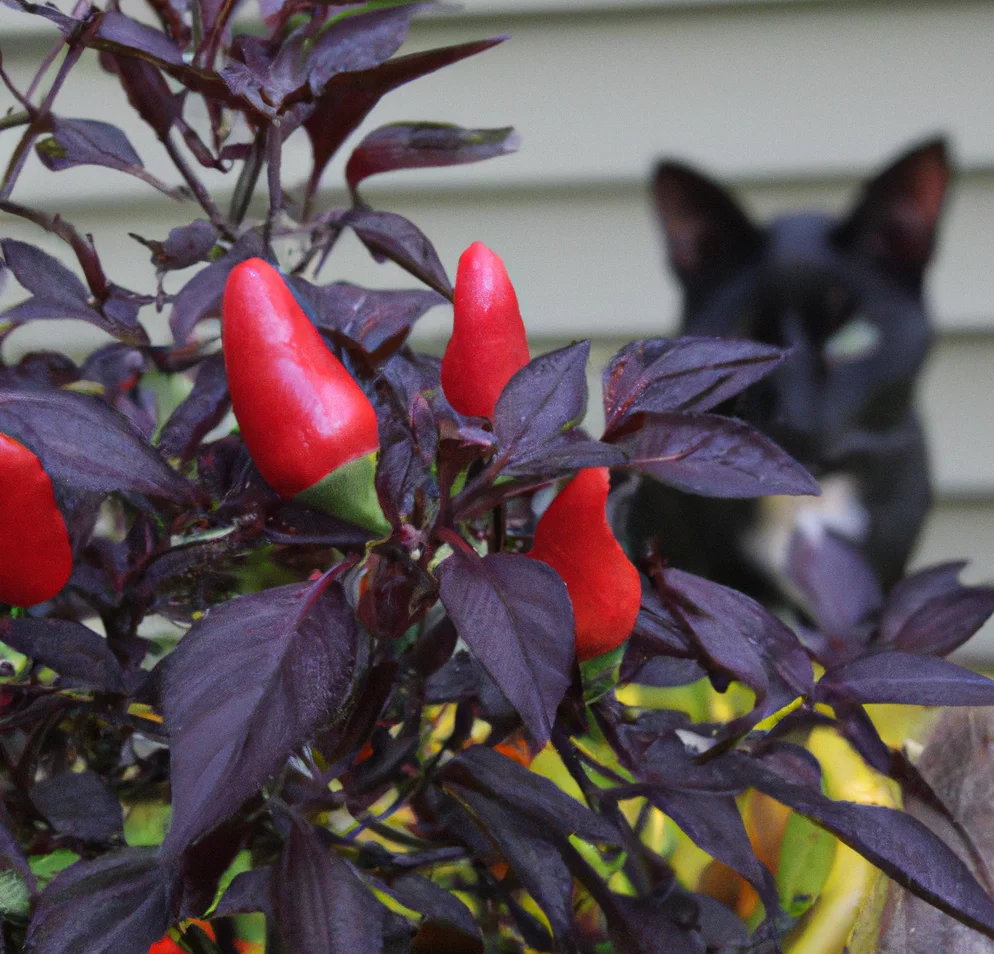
(838, 509)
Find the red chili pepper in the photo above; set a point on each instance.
(488, 344)
(301, 414)
(575, 539)
(35, 555)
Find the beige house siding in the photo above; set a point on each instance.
(791, 103)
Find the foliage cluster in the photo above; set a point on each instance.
(333, 732)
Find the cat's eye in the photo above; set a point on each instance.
(858, 338)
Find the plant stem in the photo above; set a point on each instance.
(636, 868)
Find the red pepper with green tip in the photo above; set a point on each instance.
(575, 539)
(309, 427)
(35, 553)
(488, 344)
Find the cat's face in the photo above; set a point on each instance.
(843, 295)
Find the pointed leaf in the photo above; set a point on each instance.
(200, 413)
(714, 824)
(714, 456)
(932, 612)
(840, 589)
(184, 246)
(79, 804)
(901, 846)
(79, 655)
(425, 145)
(322, 905)
(533, 857)
(88, 446)
(530, 795)
(685, 374)
(369, 317)
(740, 636)
(119, 903)
(907, 678)
(246, 686)
(349, 97)
(391, 236)
(516, 617)
(201, 296)
(540, 405)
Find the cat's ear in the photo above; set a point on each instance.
(895, 219)
(707, 232)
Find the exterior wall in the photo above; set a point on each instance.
(791, 103)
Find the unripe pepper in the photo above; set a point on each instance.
(309, 427)
(488, 344)
(35, 554)
(575, 539)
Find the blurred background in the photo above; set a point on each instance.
(792, 103)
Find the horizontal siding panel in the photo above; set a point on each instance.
(759, 91)
(585, 261)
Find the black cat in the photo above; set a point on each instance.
(846, 296)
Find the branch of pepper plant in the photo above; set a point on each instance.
(77, 12)
(14, 120)
(76, 44)
(197, 187)
(85, 251)
(274, 155)
(636, 866)
(24, 100)
(247, 179)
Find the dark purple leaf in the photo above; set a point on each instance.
(249, 891)
(147, 91)
(563, 454)
(536, 414)
(533, 856)
(840, 589)
(740, 636)
(369, 317)
(439, 908)
(714, 824)
(89, 142)
(657, 375)
(86, 446)
(201, 296)
(901, 846)
(322, 905)
(662, 672)
(263, 76)
(199, 414)
(80, 805)
(58, 293)
(425, 145)
(651, 926)
(714, 456)
(404, 478)
(359, 42)
(516, 617)
(906, 678)
(116, 28)
(79, 655)
(45, 277)
(391, 236)
(932, 612)
(349, 97)
(914, 591)
(530, 795)
(184, 246)
(119, 903)
(246, 686)
(12, 856)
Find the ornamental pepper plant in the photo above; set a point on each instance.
(315, 644)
